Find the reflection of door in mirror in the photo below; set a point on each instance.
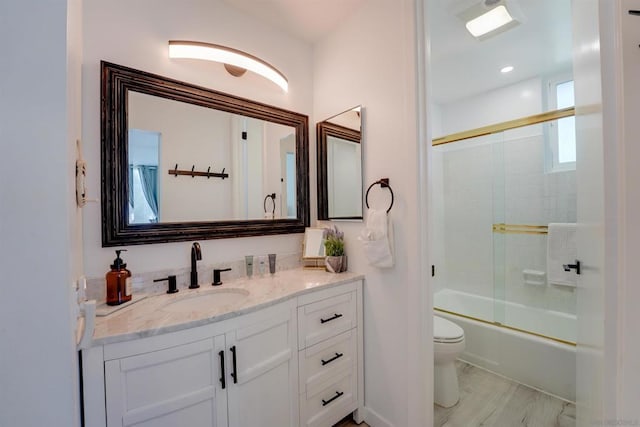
(206, 139)
(144, 152)
(246, 134)
(288, 176)
(344, 177)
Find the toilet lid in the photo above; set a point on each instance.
(446, 331)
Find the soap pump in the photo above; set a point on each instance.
(118, 281)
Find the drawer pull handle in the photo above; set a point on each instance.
(334, 317)
(326, 402)
(337, 356)
(222, 376)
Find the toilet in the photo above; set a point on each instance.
(448, 343)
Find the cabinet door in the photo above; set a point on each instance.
(176, 386)
(264, 392)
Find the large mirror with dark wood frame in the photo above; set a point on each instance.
(340, 166)
(183, 162)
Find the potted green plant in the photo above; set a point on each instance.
(335, 259)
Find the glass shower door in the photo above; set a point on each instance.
(529, 194)
(464, 179)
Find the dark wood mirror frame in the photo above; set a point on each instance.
(117, 80)
(324, 130)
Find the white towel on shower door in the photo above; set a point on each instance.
(377, 239)
(561, 249)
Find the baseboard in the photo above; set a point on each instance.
(375, 420)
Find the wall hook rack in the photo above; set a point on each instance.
(193, 173)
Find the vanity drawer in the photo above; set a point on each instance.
(326, 318)
(326, 403)
(320, 362)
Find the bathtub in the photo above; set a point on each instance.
(545, 364)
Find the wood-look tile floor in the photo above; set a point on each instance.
(488, 400)
(348, 422)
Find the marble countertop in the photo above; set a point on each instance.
(151, 316)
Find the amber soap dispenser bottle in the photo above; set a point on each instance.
(118, 281)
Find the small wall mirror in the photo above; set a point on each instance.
(313, 243)
(313, 250)
(340, 166)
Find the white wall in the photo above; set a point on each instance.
(144, 28)
(39, 222)
(507, 103)
(190, 135)
(370, 60)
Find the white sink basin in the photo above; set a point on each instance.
(207, 300)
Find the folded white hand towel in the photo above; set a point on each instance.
(376, 239)
(561, 249)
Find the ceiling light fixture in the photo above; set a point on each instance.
(235, 61)
(507, 69)
(489, 18)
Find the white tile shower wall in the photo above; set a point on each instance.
(503, 181)
(438, 221)
(468, 216)
(536, 198)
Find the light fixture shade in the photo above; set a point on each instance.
(484, 20)
(489, 21)
(227, 55)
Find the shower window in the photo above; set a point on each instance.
(561, 148)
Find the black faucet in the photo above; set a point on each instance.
(216, 275)
(196, 255)
(173, 288)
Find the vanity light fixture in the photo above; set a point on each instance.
(236, 62)
(489, 17)
(507, 69)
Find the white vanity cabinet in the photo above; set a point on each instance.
(330, 355)
(263, 387)
(238, 372)
(167, 387)
(272, 367)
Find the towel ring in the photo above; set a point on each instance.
(271, 196)
(384, 183)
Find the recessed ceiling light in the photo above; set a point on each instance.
(507, 69)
